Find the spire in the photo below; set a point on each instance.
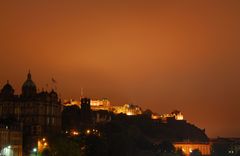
(29, 75)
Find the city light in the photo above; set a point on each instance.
(129, 113)
(88, 131)
(190, 150)
(74, 133)
(7, 151)
(42, 144)
(35, 149)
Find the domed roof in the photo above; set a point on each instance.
(7, 89)
(29, 83)
(29, 87)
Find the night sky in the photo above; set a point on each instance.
(160, 55)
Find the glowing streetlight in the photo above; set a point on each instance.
(35, 149)
(88, 131)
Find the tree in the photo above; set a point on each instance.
(95, 146)
(46, 152)
(61, 145)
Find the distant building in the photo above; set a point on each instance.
(101, 116)
(96, 104)
(225, 146)
(72, 102)
(40, 112)
(127, 109)
(104, 104)
(86, 116)
(177, 115)
(10, 140)
(188, 147)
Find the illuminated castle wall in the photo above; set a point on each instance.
(127, 109)
(175, 114)
(104, 104)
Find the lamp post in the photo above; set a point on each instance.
(35, 151)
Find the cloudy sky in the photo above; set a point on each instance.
(161, 55)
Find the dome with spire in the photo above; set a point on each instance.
(7, 89)
(29, 87)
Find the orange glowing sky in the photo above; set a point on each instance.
(160, 55)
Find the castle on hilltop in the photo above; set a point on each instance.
(104, 104)
(38, 112)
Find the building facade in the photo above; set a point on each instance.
(188, 147)
(39, 112)
(10, 140)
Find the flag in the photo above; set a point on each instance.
(53, 80)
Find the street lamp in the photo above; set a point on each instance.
(35, 150)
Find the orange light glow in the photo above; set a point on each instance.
(188, 147)
(75, 133)
(88, 131)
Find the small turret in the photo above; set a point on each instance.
(7, 90)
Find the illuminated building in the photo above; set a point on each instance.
(72, 103)
(10, 140)
(127, 109)
(96, 104)
(188, 147)
(177, 115)
(40, 112)
(104, 104)
(155, 116)
(101, 116)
